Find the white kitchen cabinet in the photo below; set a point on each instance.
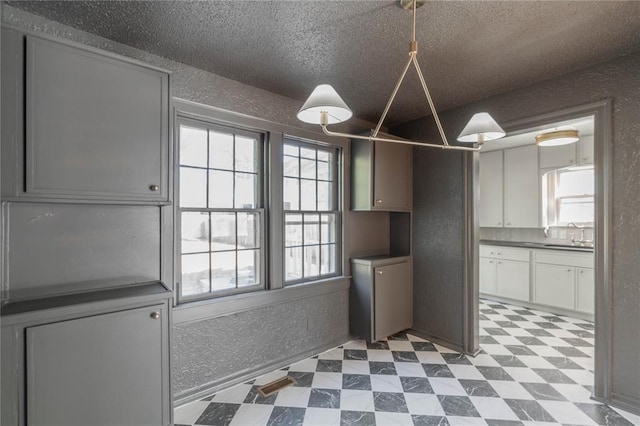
(504, 272)
(554, 285)
(512, 279)
(585, 150)
(585, 290)
(487, 278)
(491, 189)
(555, 157)
(521, 187)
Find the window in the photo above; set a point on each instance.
(570, 196)
(311, 216)
(220, 210)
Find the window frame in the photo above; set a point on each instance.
(553, 201)
(337, 211)
(260, 209)
(193, 310)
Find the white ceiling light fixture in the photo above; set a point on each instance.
(557, 137)
(324, 106)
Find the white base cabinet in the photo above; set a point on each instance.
(549, 278)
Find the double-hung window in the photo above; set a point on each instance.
(311, 215)
(220, 210)
(569, 197)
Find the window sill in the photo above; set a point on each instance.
(212, 308)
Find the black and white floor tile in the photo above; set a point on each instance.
(535, 368)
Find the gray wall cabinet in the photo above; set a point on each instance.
(96, 126)
(381, 298)
(381, 176)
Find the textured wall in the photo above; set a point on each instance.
(231, 344)
(620, 80)
(211, 350)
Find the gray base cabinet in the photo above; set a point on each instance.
(99, 359)
(381, 298)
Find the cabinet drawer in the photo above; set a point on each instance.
(557, 257)
(508, 253)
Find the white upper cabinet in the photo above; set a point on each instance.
(521, 188)
(585, 150)
(491, 193)
(553, 157)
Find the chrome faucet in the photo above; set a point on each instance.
(582, 241)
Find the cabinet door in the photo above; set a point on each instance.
(557, 156)
(392, 177)
(585, 149)
(521, 187)
(96, 126)
(101, 370)
(554, 285)
(487, 276)
(393, 299)
(585, 297)
(491, 193)
(512, 279)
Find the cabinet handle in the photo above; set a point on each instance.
(581, 271)
(570, 161)
(491, 261)
(379, 272)
(509, 224)
(379, 201)
(499, 223)
(568, 270)
(499, 263)
(499, 254)
(155, 315)
(154, 188)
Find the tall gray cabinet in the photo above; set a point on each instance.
(86, 222)
(381, 296)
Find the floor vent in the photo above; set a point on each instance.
(273, 387)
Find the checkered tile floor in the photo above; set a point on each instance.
(535, 368)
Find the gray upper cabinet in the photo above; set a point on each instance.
(96, 125)
(381, 176)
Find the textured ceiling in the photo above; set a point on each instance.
(467, 49)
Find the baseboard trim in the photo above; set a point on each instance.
(436, 339)
(539, 307)
(242, 376)
(625, 403)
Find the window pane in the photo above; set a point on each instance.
(291, 194)
(195, 274)
(328, 228)
(246, 150)
(291, 150)
(223, 270)
(311, 229)
(193, 147)
(328, 256)
(248, 267)
(325, 156)
(291, 166)
(308, 168)
(195, 232)
(293, 230)
(223, 231)
(293, 263)
(577, 182)
(193, 187)
(311, 261)
(579, 210)
(308, 153)
(220, 150)
(308, 193)
(248, 230)
(220, 189)
(324, 171)
(324, 196)
(246, 189)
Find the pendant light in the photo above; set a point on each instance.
(324, 106)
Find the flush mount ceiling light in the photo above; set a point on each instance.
(557, 137)
(324, 106)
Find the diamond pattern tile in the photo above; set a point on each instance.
(534, 368)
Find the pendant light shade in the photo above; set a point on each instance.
(324, 99)
(557, 137)
(482, 127)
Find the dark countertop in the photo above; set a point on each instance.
(537, 245)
